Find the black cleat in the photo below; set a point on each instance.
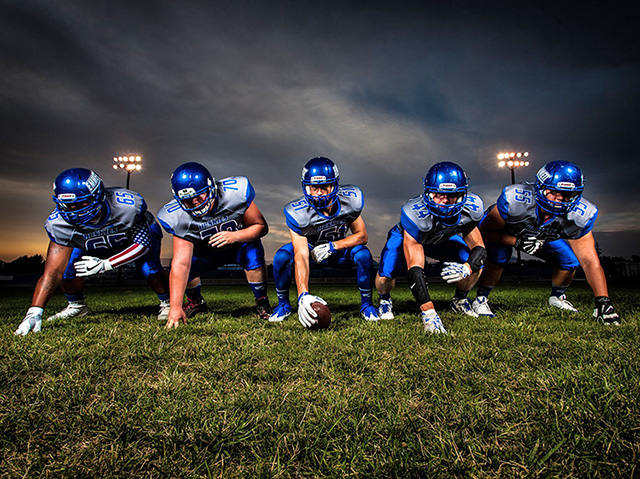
(193, 307)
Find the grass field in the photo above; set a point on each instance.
(532, 393)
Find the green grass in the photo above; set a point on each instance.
(532, 393)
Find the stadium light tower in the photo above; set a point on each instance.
(513, 160)
(129, 163)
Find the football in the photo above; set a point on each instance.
(324, 316)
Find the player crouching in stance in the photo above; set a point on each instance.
(549, 220)
(213, 223)
(318, 224)
(441, 224)
(93, 230)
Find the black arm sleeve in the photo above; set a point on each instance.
(418, 285)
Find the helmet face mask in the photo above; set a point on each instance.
(190, 181)
(559, 187)
(79, 196)
(320, 173)
(445, 180)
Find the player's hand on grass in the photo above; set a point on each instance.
(322, 252)
(454, 272)
(529, 244)
(306, 314)
(90, 265)
(31, 322)
(605, 313)
(175, 316)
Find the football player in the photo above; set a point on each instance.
(552, 221)
(213, 223)
(318, 224)
(442, 223)
(92, 230)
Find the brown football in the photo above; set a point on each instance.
(324, 315)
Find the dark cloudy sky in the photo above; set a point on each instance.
(257, 88)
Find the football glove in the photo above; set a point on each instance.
(604, 312)
(306, 314)
(322, 252)
(529, 245)
(454, 272)
(31, 322)
(90, 265)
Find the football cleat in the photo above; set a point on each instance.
(263, 308)
(281, 312)
(561, 302)
(462, 305)
(385, 311)
(163, 312)
(432, 322)
(369, 312)
(73, 309)
(193, 307)
(481, 306)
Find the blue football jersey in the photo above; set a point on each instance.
(304, 219)
(235, 195)
(517, 206)
(426, 229)
(127, 222)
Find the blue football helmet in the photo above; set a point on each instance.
(320, 171)
(190, 180)
(79, 195)
(445, 178)
(559, 176)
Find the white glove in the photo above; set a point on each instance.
(454, 272)
(31, 321)
(306, 314)
(322, 252)
(529, 245)
(90, 265)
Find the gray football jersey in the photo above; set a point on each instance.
(417, 220)
(517, 206)
(304, 219)
(235, 195)
(121, 228)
